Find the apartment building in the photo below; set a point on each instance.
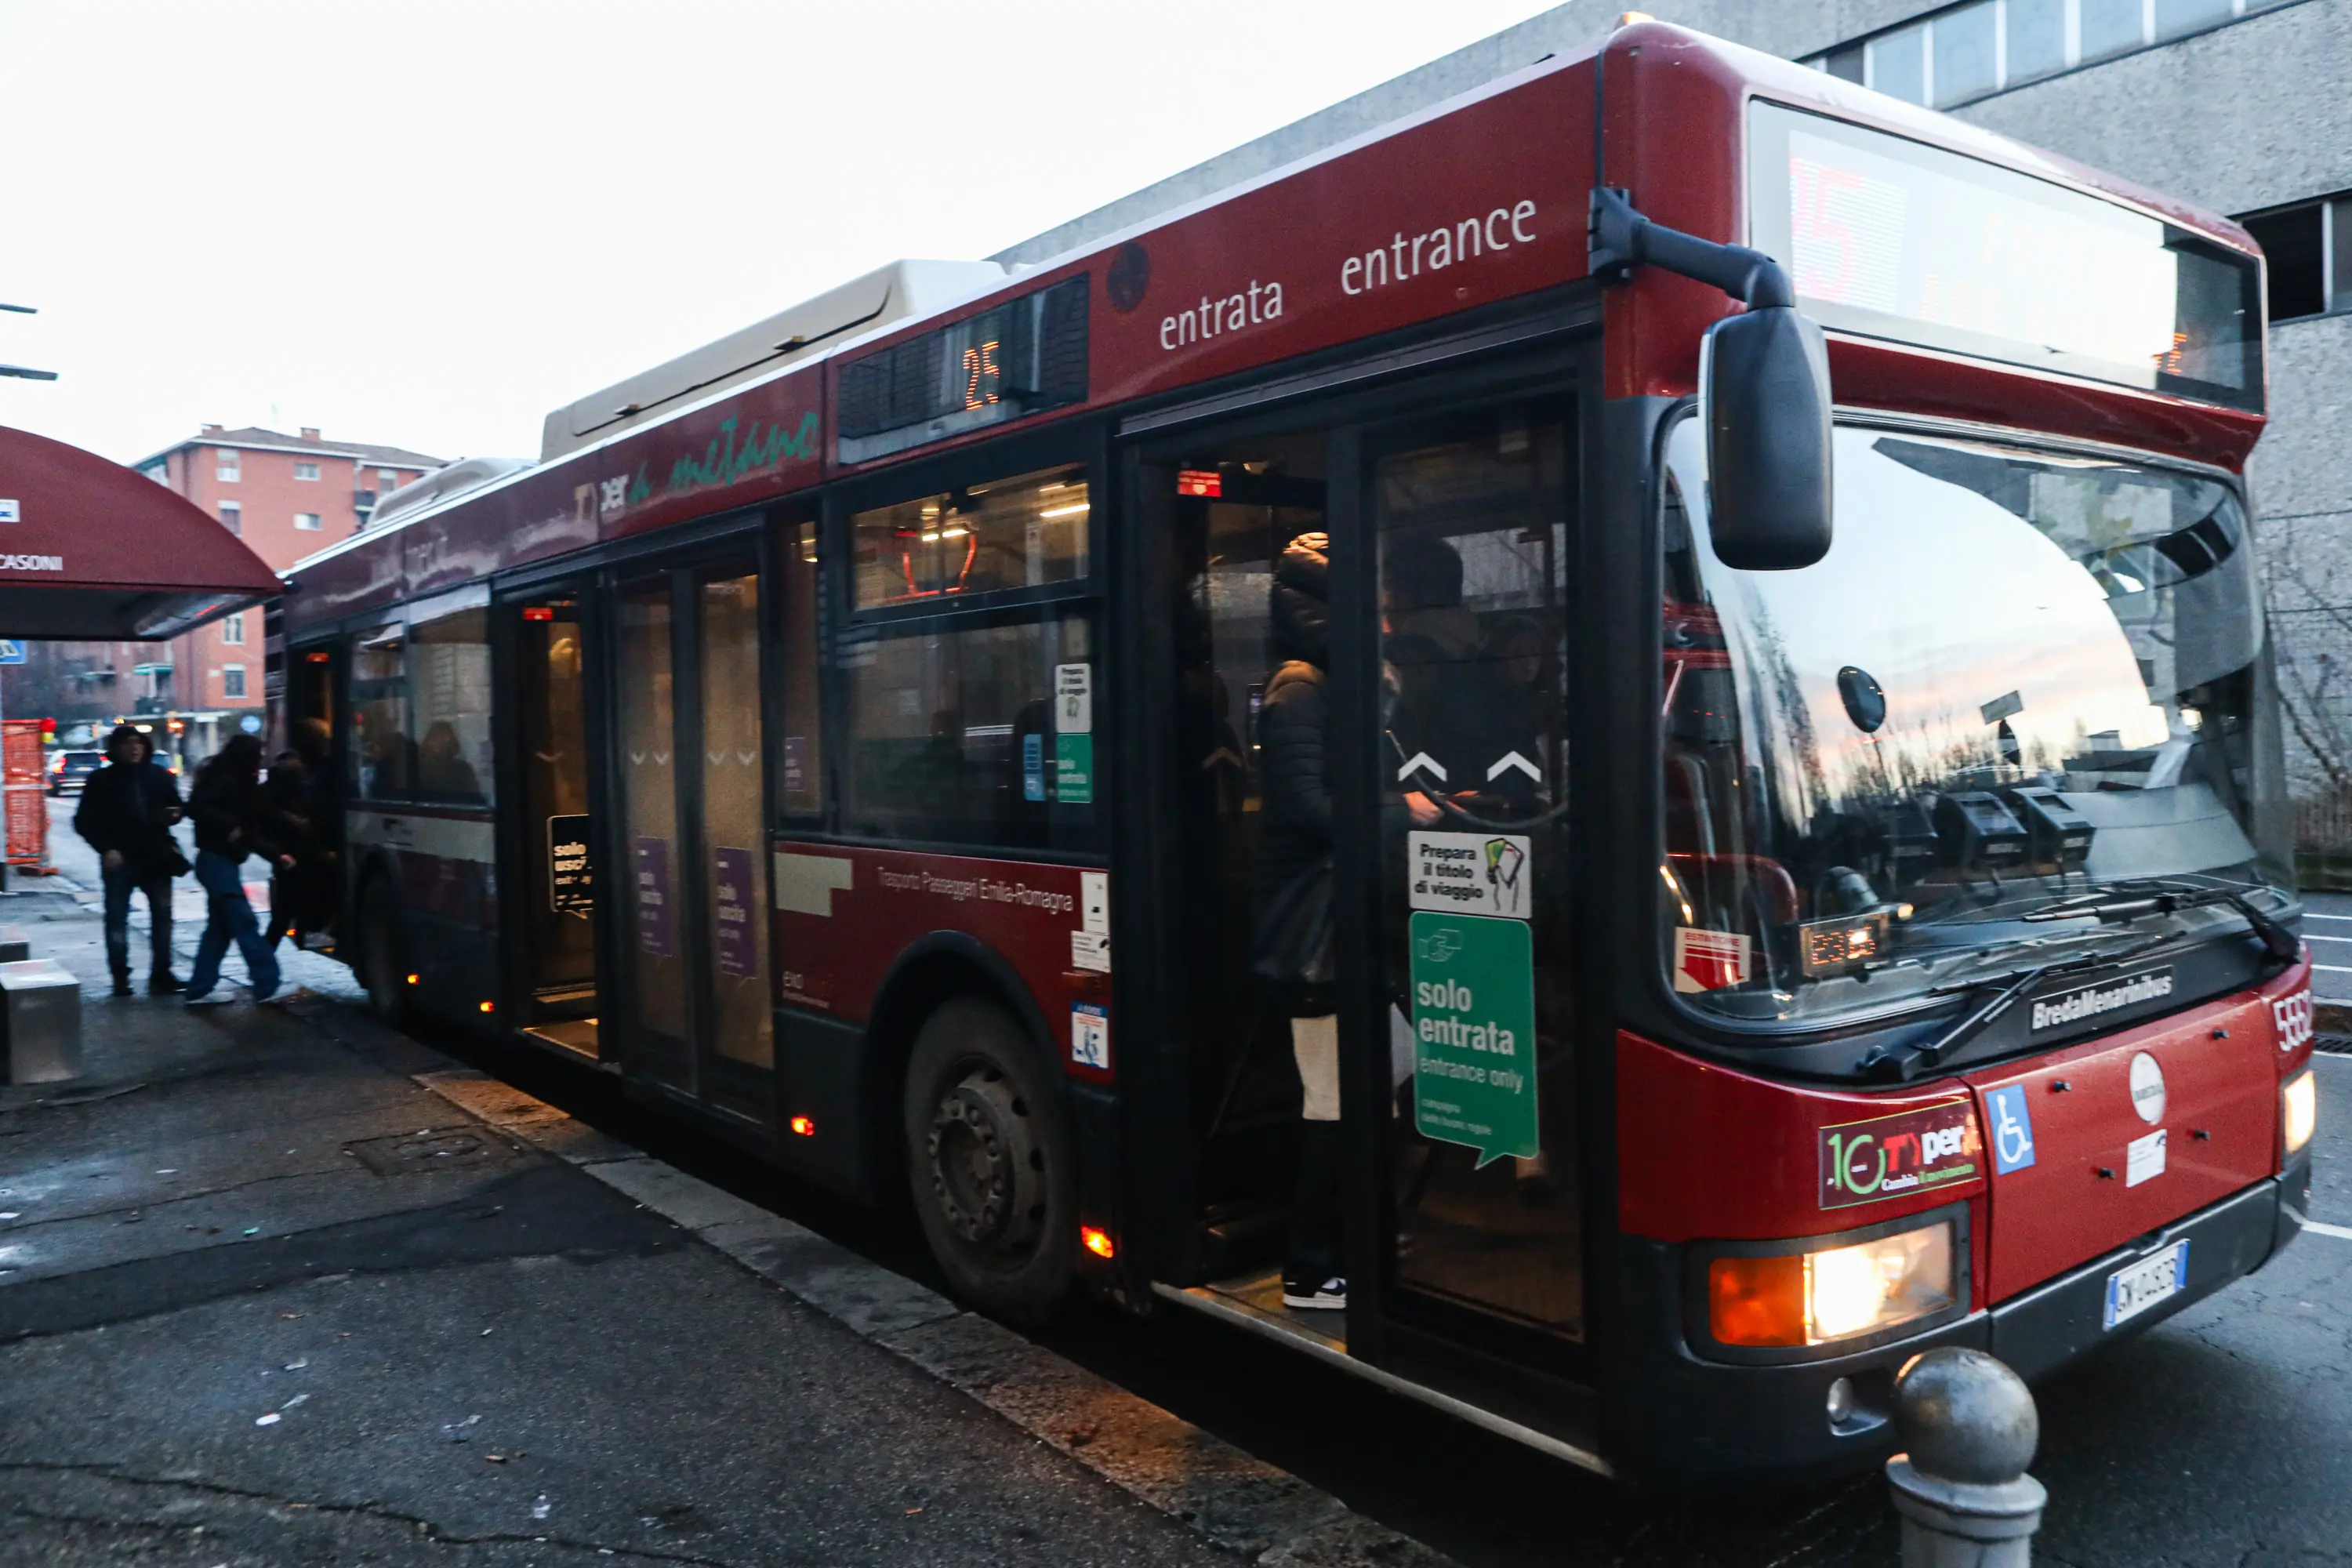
(286, 496)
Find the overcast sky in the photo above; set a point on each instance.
(427, 223)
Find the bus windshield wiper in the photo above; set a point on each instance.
(2127, 903)
(1899, 1064)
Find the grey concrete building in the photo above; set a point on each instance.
(2242, 106)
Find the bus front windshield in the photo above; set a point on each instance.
(2016, 681)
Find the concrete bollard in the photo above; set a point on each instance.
(1968, 1429)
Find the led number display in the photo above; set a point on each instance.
(1896, 239)
(1015, 359)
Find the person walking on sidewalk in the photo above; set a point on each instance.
(127, 811)
(231, 822)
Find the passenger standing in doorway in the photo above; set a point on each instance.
(231, 824)
(1293, 946)
(295, 801)
(127, 811)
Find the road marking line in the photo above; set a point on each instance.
(2340, 1232)
(2313, 915)
(1234, 1499)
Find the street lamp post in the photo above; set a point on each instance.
(25, 372)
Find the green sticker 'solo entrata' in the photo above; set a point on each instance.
(1473, 1029)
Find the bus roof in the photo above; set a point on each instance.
(1301, 258)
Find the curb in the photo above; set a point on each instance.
(1236, 1502)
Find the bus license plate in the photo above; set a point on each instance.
(2134, 1290)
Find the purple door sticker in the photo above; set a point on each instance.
(734, 906)
(650, 858)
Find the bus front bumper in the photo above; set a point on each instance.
(1699, 1424)
(2041, 1330)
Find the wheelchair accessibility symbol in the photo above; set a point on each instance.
(2012, 1129)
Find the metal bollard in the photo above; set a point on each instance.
(1968, 1429)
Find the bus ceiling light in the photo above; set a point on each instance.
(1097, 1240)
(1836, 1293)
(2299, 1105)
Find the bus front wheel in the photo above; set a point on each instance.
(383, 953)
(991, 1163)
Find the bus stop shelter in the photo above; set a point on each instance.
(91, 550)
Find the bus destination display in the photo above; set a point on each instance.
(1019, 358)
(1896, 239)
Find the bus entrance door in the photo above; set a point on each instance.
(1465, 974)
(1447, 1012)
(554, 840)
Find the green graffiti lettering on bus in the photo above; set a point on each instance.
(640, 488)
(724, 463)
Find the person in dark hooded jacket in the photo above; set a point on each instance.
(232, 822)
(127, 811)
(1293, 948)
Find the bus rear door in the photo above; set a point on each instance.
(691, 928)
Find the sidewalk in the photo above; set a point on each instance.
(266, 1297)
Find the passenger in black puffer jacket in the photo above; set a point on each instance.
(1293, 718)
(1294, 900)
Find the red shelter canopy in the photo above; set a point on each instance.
(91, 550)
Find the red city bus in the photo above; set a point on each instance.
(1804, 884)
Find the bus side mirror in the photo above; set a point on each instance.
(1764, 390)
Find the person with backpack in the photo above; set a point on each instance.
(128, 809)
(231, 822)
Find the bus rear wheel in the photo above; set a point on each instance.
(383, 953)
(991, 1163)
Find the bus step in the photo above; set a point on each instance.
(577, 1036)
(1255, 1300)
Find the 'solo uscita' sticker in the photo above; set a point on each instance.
(1474, 1027)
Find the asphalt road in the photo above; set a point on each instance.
(2327, 926)
(2221, 1438)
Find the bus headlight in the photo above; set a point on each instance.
(2299, 1106)
(1836, 1293)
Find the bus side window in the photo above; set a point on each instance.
(979, 734)
(449, 708)
(381, 749)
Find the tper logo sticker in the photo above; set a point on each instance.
(1892, 1156)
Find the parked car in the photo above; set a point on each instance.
(67, 770)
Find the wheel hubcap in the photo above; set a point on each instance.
(986, 1170)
